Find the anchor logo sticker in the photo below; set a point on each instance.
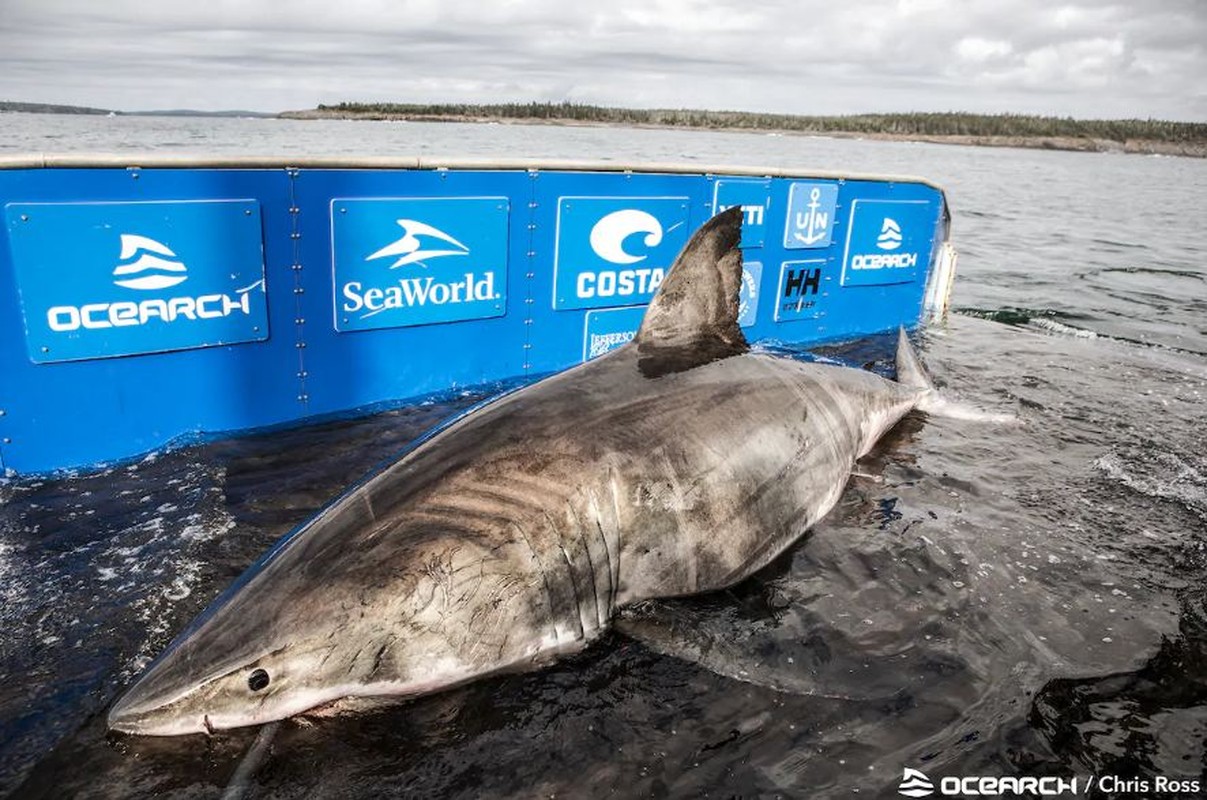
(814, 223)
(810, 220)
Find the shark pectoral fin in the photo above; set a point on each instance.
(712, 640)
(693, 320)
(912, 374)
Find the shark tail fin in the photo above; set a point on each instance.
(911, 374)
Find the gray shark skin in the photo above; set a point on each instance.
(680, 463)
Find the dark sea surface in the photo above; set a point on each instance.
(986, 600)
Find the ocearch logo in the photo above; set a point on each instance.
(145, 264)
(890, 235)
(156, 266)
(915, 783)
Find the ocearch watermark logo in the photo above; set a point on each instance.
(915, 783)
(146, 265)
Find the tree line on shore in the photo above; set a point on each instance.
(911, 124)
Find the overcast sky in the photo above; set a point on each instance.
(1142, 58)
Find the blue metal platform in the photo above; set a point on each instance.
(145, 300)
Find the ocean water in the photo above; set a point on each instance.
(986, 600)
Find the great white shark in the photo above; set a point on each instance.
(680, 463)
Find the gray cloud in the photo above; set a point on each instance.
(1082, 58)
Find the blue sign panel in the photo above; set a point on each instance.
(748, 295)
(609, 329)
(754, 196)
(418, 261)
(614, 251)
(115, 279)
(800, 290)
(887, 241)
(810, 221)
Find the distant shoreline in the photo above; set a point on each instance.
(1141, 137)
(1081, 144)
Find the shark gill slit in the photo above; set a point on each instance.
(557, 639)
(603, 539)
(570, 567)
(602, 612)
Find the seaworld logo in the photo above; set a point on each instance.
(402, 261)
(410, 249)
(418, 292)
(419, 243)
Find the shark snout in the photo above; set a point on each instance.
(137, 714)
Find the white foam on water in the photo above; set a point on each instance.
(176, 580)
(1181, 482)
(1059, 327)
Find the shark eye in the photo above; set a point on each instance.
(257, 680)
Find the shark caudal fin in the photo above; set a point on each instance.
(693, 319)
(912, 374)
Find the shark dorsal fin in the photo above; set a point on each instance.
(693, 319)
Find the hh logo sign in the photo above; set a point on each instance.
(888, 241)
(800, 290)
(413, 261)
(615, 251)
(116, 279)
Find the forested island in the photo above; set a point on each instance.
(48, 108)
(1004, 130)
